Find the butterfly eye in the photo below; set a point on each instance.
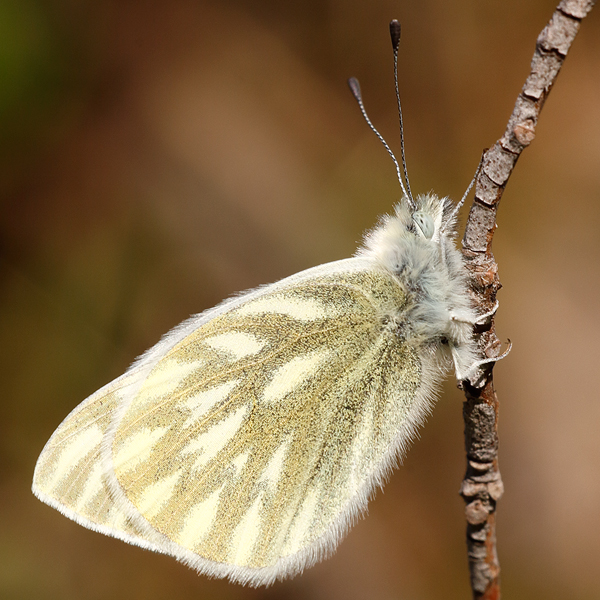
(424, 224)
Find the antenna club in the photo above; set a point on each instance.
(395, 30)
(355, 88)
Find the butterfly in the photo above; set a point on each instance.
(248, 439)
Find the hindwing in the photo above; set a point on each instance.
(246, 441)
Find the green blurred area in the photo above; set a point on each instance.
(160, 156)
(41, 77)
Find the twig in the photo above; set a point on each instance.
(482, 484)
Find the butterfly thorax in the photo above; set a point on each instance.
(417, 247)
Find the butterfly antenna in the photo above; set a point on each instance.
(462, 200)
(395, 35)
(355, 89)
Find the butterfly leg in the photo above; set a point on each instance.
(483, 319)
(462, 375)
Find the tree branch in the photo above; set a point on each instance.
(482, 484)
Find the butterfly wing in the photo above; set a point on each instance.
(70, 474)
(247, 440)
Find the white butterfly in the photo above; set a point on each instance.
(251, 436)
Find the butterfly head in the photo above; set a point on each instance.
(430, 217)
(421, 226)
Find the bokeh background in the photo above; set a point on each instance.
(159, 156)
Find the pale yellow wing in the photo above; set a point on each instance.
(246, 442)
(71, 476)
(257, 437)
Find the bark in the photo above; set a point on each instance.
(482, 485)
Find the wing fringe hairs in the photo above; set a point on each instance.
(250, 438)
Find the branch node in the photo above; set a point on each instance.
(470, 489)
(525, 132)
(477, 512)
(480, 467)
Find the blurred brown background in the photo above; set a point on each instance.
(159, 156)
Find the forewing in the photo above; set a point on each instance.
(255, 439)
